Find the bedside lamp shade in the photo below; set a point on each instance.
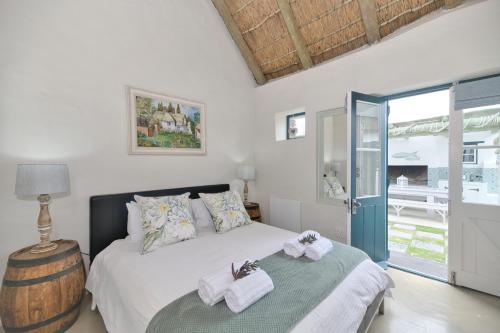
(42, 180)
(246, 172)
(36, 179)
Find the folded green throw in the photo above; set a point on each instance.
(299, 286)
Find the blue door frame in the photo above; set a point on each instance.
(369, 213)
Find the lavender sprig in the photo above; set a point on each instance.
(310, 238)
(244, 270)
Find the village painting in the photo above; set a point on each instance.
(165, 125)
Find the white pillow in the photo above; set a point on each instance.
(201, 215)
(134, 222)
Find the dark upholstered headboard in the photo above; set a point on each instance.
(108, 213)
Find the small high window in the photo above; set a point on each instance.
(290, 124)
(296, 125)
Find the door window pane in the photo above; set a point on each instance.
(481, 155)
(368, 152)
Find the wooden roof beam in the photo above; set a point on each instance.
(369, 15)
(293, 30)
(449, 4)
(235, 32)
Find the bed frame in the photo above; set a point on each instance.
(108, 222)
(108, 213)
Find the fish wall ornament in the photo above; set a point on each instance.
(407, 156)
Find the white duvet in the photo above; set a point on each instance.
(130, 288)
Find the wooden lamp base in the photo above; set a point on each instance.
(245, 192)
(44, 227)
(39, 248)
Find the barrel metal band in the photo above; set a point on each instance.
(42, 261)
(29, 282)
(47, 321)
(66, 326)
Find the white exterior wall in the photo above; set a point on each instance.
(432, 150)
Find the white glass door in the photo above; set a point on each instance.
(474, 248)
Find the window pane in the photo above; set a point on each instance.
(296, 126)
(481, 158)
(300, 125)
(481, 177)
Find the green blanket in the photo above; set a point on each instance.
(299, 286)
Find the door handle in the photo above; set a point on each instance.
(347, 202)
(354, 205)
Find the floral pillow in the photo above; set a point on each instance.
(227, 210)
(165, 220)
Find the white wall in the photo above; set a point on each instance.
(64, 66)
(461, 43)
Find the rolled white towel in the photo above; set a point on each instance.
(294, 248)
(318, 249)
(211, 288)
(244, 292)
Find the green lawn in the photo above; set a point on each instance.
(416, 243)
(169, 140)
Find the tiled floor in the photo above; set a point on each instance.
(419, 305)
(424, 305)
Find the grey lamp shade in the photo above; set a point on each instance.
(36, 179)
(246, 172)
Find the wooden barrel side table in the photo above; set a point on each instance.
(253, 210)
(42, 293)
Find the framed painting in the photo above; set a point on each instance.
(161, 124)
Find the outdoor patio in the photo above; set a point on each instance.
(419, 242)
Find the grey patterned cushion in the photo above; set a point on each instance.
(165, 220)
(227, 210)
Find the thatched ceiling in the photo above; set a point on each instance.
(280, 37)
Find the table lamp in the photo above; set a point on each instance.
(246, 172)
(42, 180)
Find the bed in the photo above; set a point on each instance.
(129, 288)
